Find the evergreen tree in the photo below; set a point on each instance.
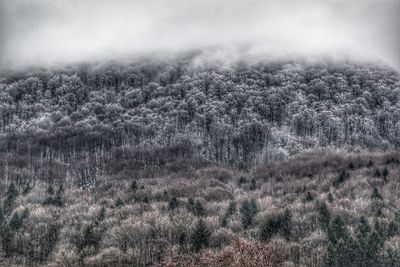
(56, 199)
(337, 230)
(59, 197)
(253, 184)
(91, 238)
(134, 186)
(101, 216)
(377, 173)
(248, 210)
(341, 178)
(346, 252)
(119, 202)
(11, 196)
(324, 215)
(330, 257)
(190, 205)
(375, 244)
(201, 236)
(7, 236)
(385, 173)
(286, 224)
(376, 194)
(173, 203)
(362, 233)
(351, 166)
(50, 189)
(389, 258)
(198, 209)
(242, 180)
(276, 223)
(228, 213)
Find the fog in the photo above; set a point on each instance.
(42, 32)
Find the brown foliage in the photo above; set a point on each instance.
(240, 253)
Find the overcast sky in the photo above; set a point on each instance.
(50, 31)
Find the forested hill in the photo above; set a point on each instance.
(239, 115)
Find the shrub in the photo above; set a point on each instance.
(221, 238)
(242, 253)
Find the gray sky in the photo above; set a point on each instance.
(50, 31)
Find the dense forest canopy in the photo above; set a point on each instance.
(240, 114)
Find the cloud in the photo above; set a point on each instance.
(49, 32)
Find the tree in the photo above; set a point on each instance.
(190, 205)
(201, 236)
(134, 186)
(279, 223)
(56, 199)
(11, 195)
(248, 211)
(337, 230)
(198, 209)
(286, 224)
(228, 213)
(7, 236)
(341, 178)
(385, 173)
(376, 194)
(173, 203)
(324, 215)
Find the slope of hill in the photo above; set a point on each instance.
(317, 209)
(236, 115)
(165, 163)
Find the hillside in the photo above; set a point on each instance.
(165, 163)
(317, 209)
(238, 115)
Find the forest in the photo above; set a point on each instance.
(162, 162)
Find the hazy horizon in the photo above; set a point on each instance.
(41, 32)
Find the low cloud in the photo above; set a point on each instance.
(51, 32)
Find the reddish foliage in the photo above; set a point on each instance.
(240, 253)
